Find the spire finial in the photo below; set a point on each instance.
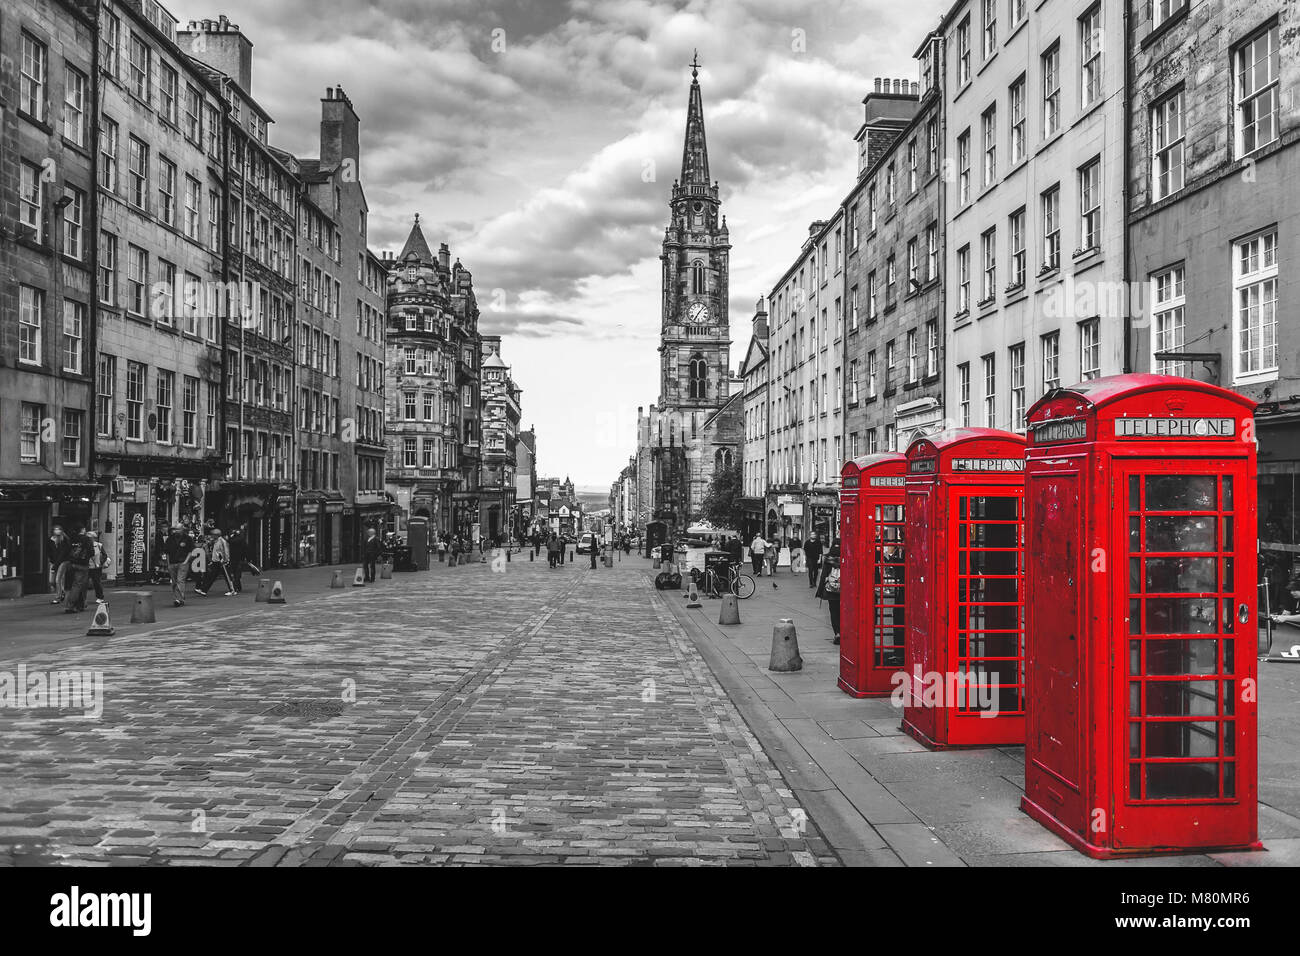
(695, 66)
(417, 218)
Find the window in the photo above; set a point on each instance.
(911, 355)
(1167, 301)
(31, 197)
(697, 278)
(989, 255)
(1162, 10)
(29, 432)
(409, 453)
(913, 264)
(74, 105)
(137, 278)
(1090, 206)
(889, 366)
(193, 192)
(1051, 216)
(137, 70)
(168, 88)
(1051, 361)
(891, 277)
(890, 191)
(167, 191)
(1254, 284)
(31, 312)
(106, 374)
(1018, 12)
(1018, 397)
(853, 381)
(137, 172)
(108, 154)
(990, 391)
(963, 168)
(189, 411)
(107, 268)
(73, 213)
(871, 207)
(110, 40)
(408, 406)
(911, 167)
(853, 309)
(963, 393)
(74, 326)
(963, 51)
(871, 374)
(1167, 146)
(931, 348)
(989, 125)
(990, 27)
(31, 83)
(1017, 233)
(963, 280)
(193, 115)
(210, 415)
(1089, 349)
(428, 407)
(1017, 110)
(165, 385)
(164, 301)
(1090, 56)
(1255, 91)
(135, 381)
(1051, 72)
(932, 252)
(871, 296)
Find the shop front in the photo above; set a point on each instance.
(263, 513)
(29, 510)
(1279, 511)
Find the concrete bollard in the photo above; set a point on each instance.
(277, 594)
(657, 564)
(729, 613)
(100, 625)
(359, 579)
(142, 612)
(785, 647)
(263, 590)
(531, 556)
(386, 570)
(337, 580)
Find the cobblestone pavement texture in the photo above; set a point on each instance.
(457, 716)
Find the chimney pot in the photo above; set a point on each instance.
(877, 84)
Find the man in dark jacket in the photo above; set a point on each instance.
(812, 556)
(238, 555)
(371, 549)
(178, 546)
(80, 552)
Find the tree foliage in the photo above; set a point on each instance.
(721, 506)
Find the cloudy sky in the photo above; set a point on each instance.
(540, 138)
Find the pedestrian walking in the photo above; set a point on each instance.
(178, 547)
(552, 550)
(99, 560)
(454, 551)
(58, 546)
(371, 548)
(442, 549)
(773, 553)
(238, 555)
(758, 554)
(812, 555)
(77, 575)
(828, 585)
(218, 561)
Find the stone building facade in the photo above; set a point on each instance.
(1214, 218)
(48, 76)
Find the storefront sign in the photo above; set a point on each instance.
(1045, 433)
(1175, 427)
(136, 549)
(988, 464)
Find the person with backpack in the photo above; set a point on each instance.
(828, 584)
(80, 551)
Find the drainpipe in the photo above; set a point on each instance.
(1127, 364)
(92, 240)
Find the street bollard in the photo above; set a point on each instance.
(263, 590)
(358, 579)
(277, 594)
(101, 626)
(570, 557)
(693, 597)
(337, 580)
(657, 564)
(386, 570)
(785, 647)
(531, 556)
(142, 612)
(729, 613)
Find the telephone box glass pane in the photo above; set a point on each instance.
(1172, 781)
(1180, 493)
(890, 629)
(1180, 534)
(1173, 658)
(1173, 575)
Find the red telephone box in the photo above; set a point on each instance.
(871, 574)
(1141, 508)
(965, 588)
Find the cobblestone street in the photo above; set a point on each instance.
(529, 716)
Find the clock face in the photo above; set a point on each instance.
(698, 313)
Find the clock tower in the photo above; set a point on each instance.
(695, 338)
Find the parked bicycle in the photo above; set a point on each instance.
(714, 583)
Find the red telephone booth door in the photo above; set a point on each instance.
(987, 651)
(1185, 680)
(885, 535)
(921, 651)
(852, 569)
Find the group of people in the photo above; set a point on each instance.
(77, 561)
(223, 558)
(765, 553)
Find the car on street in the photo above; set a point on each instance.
(587, 543)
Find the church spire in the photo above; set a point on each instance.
(416, 243)
(695, 152)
